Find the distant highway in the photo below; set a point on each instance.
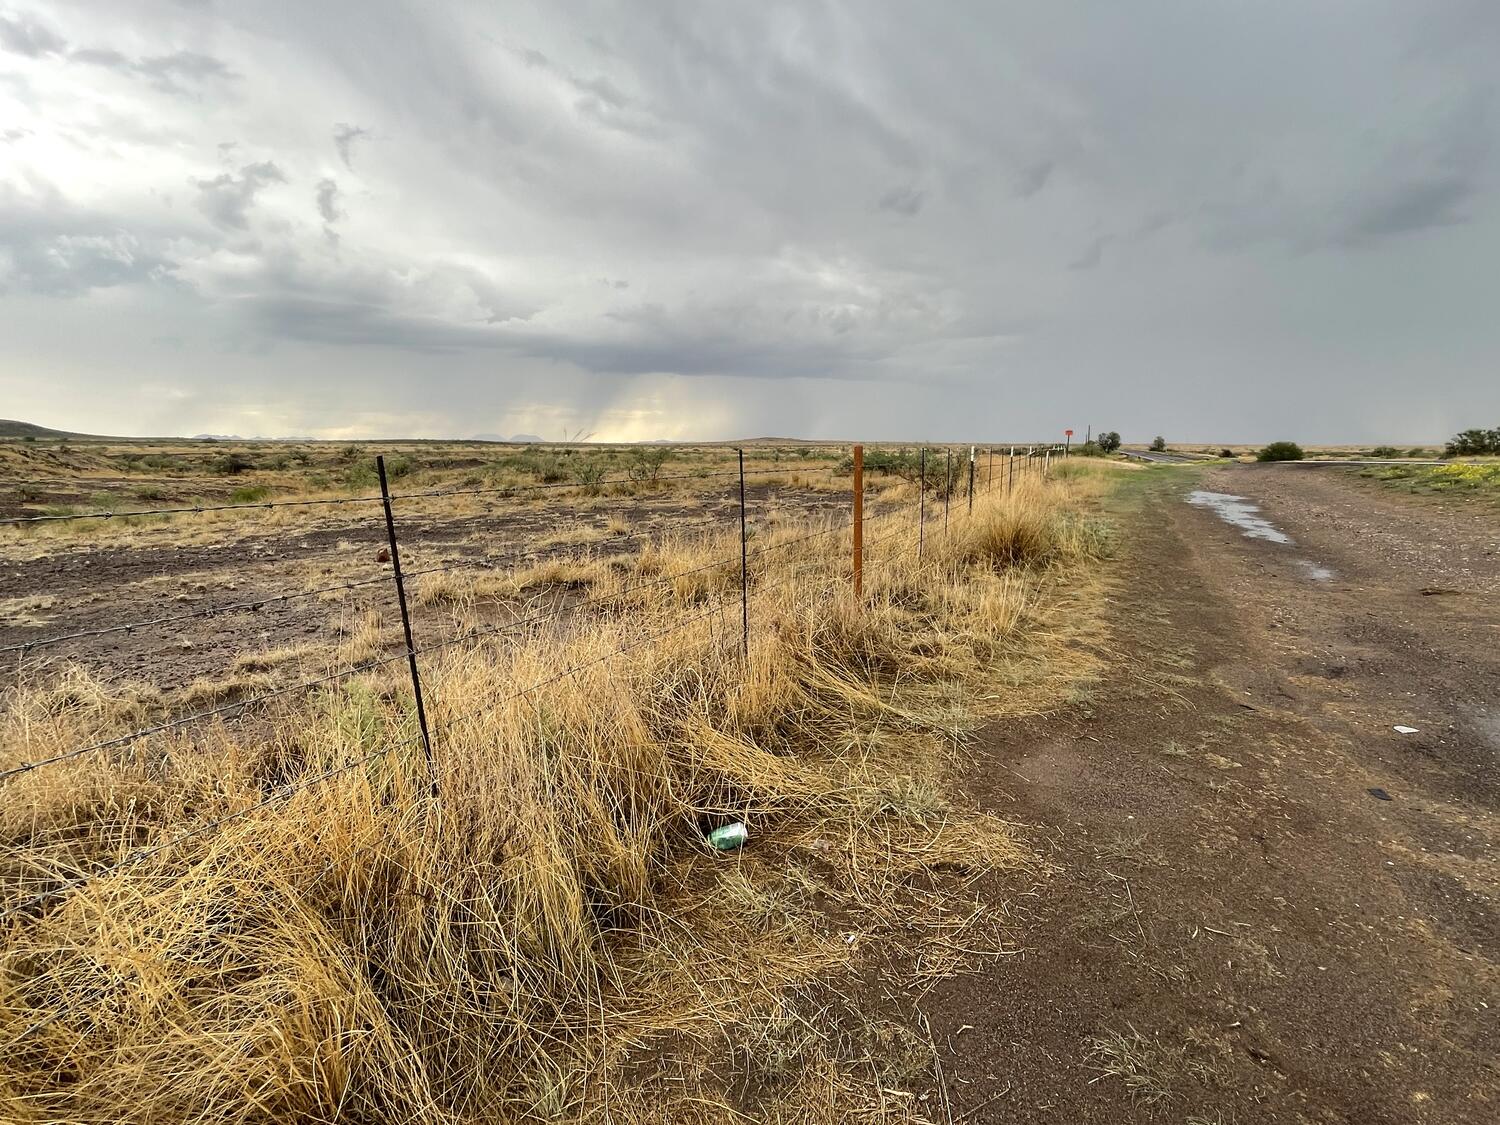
(1160, 458)
(1307, 462)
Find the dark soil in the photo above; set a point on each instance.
(1235, 918)
(96, 583)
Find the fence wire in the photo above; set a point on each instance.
(286, 791)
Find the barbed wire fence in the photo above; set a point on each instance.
(1004, 468)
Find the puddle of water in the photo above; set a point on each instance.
(1244, 515)
(1239, 512)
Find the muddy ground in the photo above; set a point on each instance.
(1267, 905)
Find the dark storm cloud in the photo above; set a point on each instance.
(1426, 183)
(1020, 200)
(226, 199)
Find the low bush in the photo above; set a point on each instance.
(1280, 451)
(646, 464)
(230, 464)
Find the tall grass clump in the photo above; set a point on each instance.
(548, 938)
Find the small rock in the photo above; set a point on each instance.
(383, 555)
(1378, 793)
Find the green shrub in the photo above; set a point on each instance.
(1226, 453)
(645, 464)
(1470, 443)
(1385, 452)
(589, 472)
(250, 494)
(230, 464)
(1280, 451)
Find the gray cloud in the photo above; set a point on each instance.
(328, 201)
(226, 199)
(1297, 200)
(1034, 177)
(23, 35)
(1091, 256)
(52, 247)
(344, 137)
(180, 72)
(902, 200)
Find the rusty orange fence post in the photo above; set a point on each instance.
(859, 521)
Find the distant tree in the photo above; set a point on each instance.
(1109, 441)
(1470, 443)
(646, 463)
(1280, 451)
(1159, 444)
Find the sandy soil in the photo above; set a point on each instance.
(1237, 920)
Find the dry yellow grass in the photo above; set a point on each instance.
(550, 938)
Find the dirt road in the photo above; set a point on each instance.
(1268, 904)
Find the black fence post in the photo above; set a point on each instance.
(744, 569)
(971, 480)
(922, 506)
(411, 649)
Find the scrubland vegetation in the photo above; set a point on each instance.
(1476, 478)
(1280, 451)
(549, 938)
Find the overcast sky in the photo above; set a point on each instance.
(1220, 221)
